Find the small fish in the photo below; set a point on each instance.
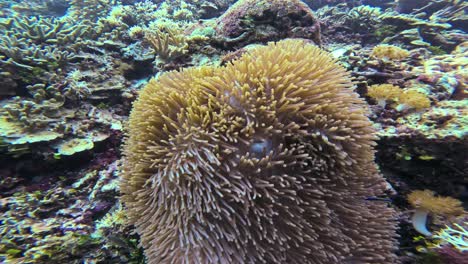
(372, 198)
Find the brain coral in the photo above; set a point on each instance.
(267, 160)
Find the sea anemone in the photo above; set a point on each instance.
(267, 160)
(425, 202)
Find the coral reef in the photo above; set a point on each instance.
(57, 220)
(70, 70)
(216, 155)
(249, 21)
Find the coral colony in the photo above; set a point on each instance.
(233, 131)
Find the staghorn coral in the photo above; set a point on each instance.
(268, 159)
(389, 52)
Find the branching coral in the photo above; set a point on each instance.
(38, 112)
(30, 47)
(362, 18)
(91, 9)
(448, 73)
(168, 44)
(46, 30)
(266, 160)
(457, 236)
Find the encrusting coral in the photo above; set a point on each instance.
(389, 52)
(267, 160)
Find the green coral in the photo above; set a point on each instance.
(456, 236)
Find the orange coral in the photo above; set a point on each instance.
(389, 52)
(435, 204)
(384, 92)
(412, 99)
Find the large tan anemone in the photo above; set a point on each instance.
(267, 160)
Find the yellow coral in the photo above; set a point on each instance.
(136, 31)
(168, 40)
(389, 52)
(412, 99)
(384, 92)
(425, 202)
(435, 204)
